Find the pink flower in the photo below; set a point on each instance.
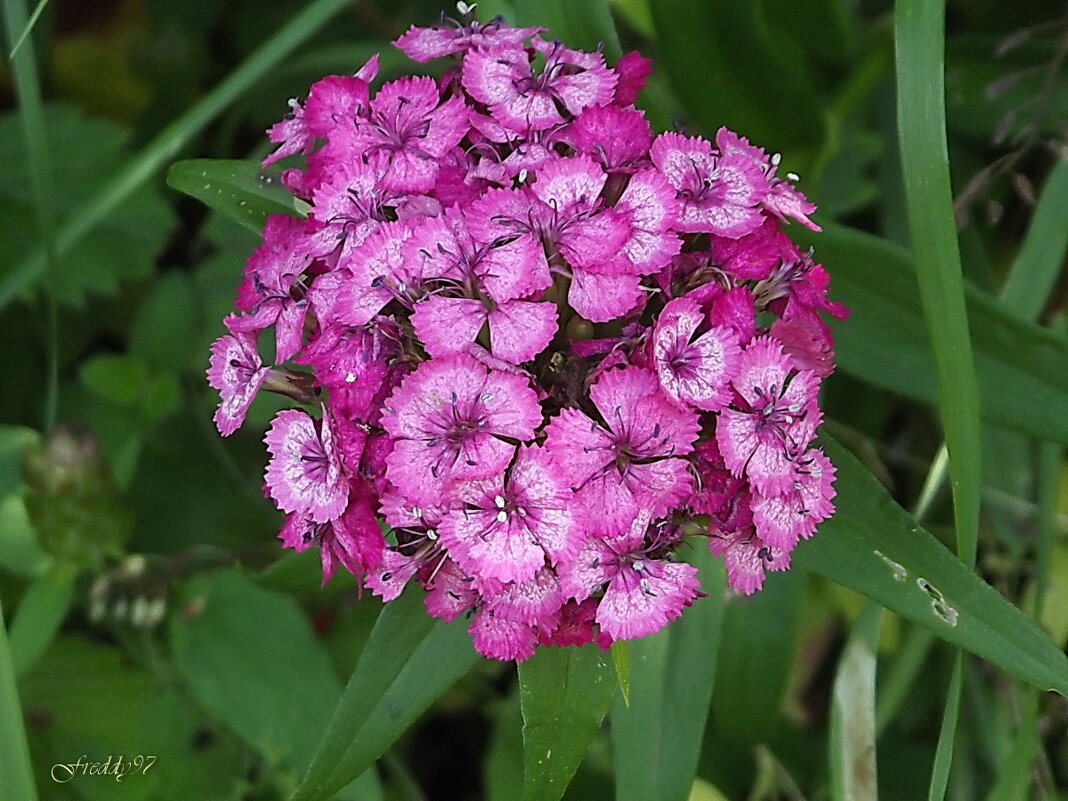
(304, 473)
(506, 527)
(630, 461)
(451, 420)
(237, 372)
(405, 132)
(571, 81)
(426, 44)
(720, 193)
(781, 520)
(773, 419)
(643, 593)
(692, 369)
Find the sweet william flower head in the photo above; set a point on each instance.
(550, 349)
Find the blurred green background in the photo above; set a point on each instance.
(124, 516)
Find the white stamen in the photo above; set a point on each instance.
(350, 377)
(639, 565)
(499, 501)
(775, 159)
(502, 516)
(417, 512)
(793, 176)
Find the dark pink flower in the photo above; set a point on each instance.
(304, 473)
(720, 193)
(571, 81)
(772, 420)
(631, 460)
(781, 520)
(692, 369)
(506, 527)
(237, 372)
(452, 420)
(426, 44)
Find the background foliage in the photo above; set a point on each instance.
(150, 610)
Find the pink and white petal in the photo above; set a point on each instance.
(594, 243)
(498, 638)
(392, 574)
(578, 445)
(679, 158)
(534, 601)
(520, 329)
(608, 505)
(447, 326)
(567, 182)
(633, 608)
(302, 474)
(408, 172)
(660, 486)
(511, 406)
(601, 298)
(482, 456)
(720, 218)
(594, 564)
(516, 269)
(484, 546)
(745, 568)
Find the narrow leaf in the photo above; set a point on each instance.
(921, 120)
(943, 760)
(409, 661)
(875, 547)
(39, 615)
(16, 772)
(621, 660)
(565, 693)
(884, 341)
(1039, 261)
(657, 739)
(852, 747)
(239, 189)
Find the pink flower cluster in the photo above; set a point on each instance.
(547, 347)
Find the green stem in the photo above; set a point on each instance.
(171, 139)
(31, 115)
(16, 772)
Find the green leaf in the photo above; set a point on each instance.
(115, 378)
(39, 615)
(83, 153)
(657, 739)
(852, 742)
(249, 657)
(123, 185)
(875, 547)
(921, 121)
(565, 693)
(1039, 261)
(772, 100)
(585, 24)
(947, 735)
(884, 341)
(621, 662)
(239, 189)
(16, 773)
(408, 663)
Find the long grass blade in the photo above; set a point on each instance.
(27, 28)
(16, 772)
(170, 140)
(919, 36)
(31, 115)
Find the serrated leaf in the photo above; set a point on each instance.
(238, 189)
(408, 663)
(565, 693)
(875, 547)
(657, 739)
(84, 151)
